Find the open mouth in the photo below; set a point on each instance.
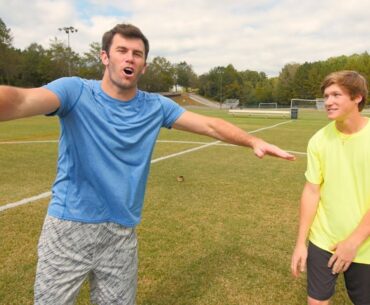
(128, 71)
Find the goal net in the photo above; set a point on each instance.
(317, 104)
(230, 103)
(267, 105)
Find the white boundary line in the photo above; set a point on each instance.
(24, 201)
(28, 142)
(184, 152)
(47, 194)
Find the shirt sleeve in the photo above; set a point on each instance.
(68, 90)
(171, 111)
(313, 172)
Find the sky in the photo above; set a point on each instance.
(259, 35)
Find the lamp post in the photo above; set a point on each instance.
(68, 30)
(220, 72)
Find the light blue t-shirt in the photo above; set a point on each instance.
(104, 151)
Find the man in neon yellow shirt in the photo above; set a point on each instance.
(335, 202)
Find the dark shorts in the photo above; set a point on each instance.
(321, 281)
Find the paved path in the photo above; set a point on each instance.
(203, 101)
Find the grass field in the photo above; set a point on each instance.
(223, 236)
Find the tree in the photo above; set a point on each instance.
(284, 90)
(159, 76)
(6, 38)
(10, 57)
(185, 75)
(33, 62)
(91, 65)
(65, 60)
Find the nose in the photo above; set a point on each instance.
(129, 57)
(328, 100)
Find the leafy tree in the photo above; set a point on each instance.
(159, 76)
(66, 61)
(91, 65)
(9, 57)
(185, 75)
(35, 66)
(6, 37)
(284, 90)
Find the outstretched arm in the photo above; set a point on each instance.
(227, 132)
(309, 201)
(18, 103)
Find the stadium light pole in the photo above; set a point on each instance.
(220, 72)
(69, 30)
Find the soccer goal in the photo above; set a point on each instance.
(267, 105)
(230, 103)
(317, 104)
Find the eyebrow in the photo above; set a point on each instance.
(126, 48)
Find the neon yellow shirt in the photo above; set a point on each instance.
(341, 165)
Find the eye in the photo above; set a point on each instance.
(121, 50)
(138, 54)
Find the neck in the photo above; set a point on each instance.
(351, 125)
(115, 91)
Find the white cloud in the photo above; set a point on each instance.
(262, 36)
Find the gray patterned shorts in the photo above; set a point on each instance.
(70, 251)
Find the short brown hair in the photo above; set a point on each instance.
(350, 81)
(126, 30)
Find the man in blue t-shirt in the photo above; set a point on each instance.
(108, 131)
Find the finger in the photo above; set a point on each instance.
(297, 267)
(332, 260)
(275, 151)
(303, 265)
(288, 156)
(346, 266)
(259, 153)
(294, 268)
(339, 266)
(336, 268)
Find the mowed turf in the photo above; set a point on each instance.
(222, 236)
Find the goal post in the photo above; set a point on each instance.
(267, 105)
(317, 103)
(230, 103)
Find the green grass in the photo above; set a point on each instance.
(223, 236)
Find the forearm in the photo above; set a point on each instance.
(309, 202)
(227, 132)
(362, 231)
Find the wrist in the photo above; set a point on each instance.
(301, 243)
(355, 241)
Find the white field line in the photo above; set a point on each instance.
(204, 145)
(24, 201)
(28, 142)
(184, 152)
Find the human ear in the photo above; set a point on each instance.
(104, 58)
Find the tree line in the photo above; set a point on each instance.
(35, 66)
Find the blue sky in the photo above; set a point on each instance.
(255, 35)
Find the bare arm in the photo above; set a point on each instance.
(346, 250)
(18, 103)
(227, 132)
(309, 202)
